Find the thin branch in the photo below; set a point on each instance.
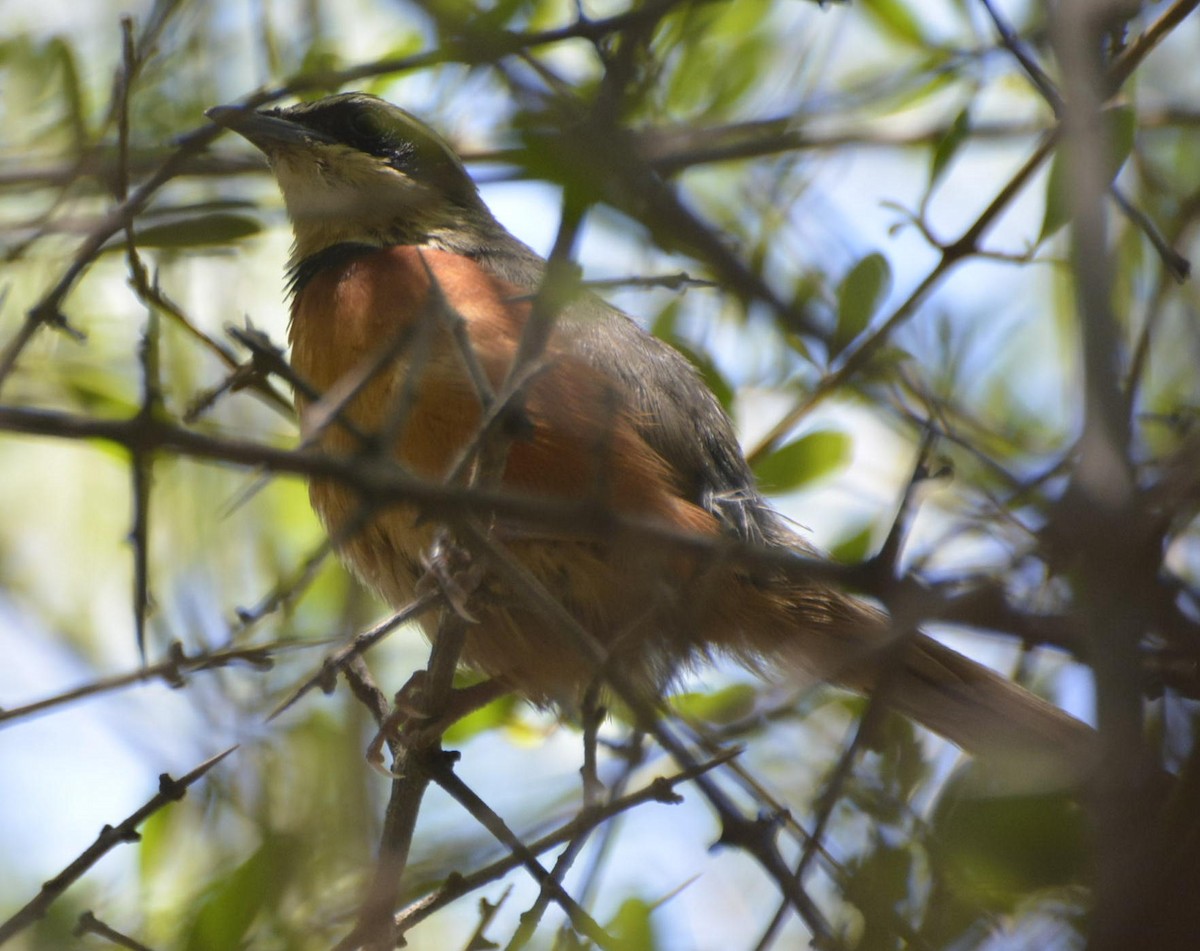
(374, 927)
(340, 659)
(89, 924)
(446, 778)
(125, 832)
(1141, 47)
(172, 671)
(1021, 53)
(661, 790)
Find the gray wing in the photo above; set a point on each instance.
(679, 417)
(674, 411)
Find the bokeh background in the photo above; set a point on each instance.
(915, 395)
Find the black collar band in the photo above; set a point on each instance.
(333, 256)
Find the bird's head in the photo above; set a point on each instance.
(354, 168)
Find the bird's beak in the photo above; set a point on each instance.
(269, 133)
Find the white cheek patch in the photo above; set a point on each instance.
(356, 187)
(347, 197)
(312, 193)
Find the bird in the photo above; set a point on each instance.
(410, 300)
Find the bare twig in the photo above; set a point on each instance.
(125, 832)
(660, 790)
(171, 671)
(89, 924)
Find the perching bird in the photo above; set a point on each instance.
(392, 244)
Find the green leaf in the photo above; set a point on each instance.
(948, 145)
(1057, 200)
(721, 706)
(156, 847)
(731, 34)
(884, 364)
(631, 926)
(491, 716)
(219, 228)
(1000, 848)
(60, 51)
(797, 464)
(709, 371)
(1120, 128)
(664, 325)
(230, 907)
(1122, 133)
(877, 884)
(897, 20)
(853, 548)
(859, 296)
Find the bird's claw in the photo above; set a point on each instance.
(451, 570)
(413, 726)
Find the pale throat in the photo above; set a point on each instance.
(363, 205)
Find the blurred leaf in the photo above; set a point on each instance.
(665, 323)
(797, 464)
(884, 362)
(37, 73)
(195, 209)
(896, 20)
(903, 766)
(219, 228)
(403, 45)
(1057, 200)
(1121, 128)
(1000, 848)
(879, 884)
(491, 716)
(321, 58)
(101, 392)
(709, 371)
(632, 928)
(62, 53)
(859, 295)
(948, 145)
(155, 846)
(853, 548)
(226, 913)
(731, 34)
(727, 705)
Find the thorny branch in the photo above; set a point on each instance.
(123, 833)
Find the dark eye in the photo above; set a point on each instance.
(363, 125)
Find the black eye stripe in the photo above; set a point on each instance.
(378, 129)
(357, 127)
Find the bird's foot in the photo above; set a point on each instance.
(412, 725)
(451, 570)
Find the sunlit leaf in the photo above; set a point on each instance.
(853, 548)
(632, 928)
(155, 847)
(491, 716)
(727, 705)
(800, 463)
(897, 20)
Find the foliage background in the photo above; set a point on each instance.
(838, 152)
